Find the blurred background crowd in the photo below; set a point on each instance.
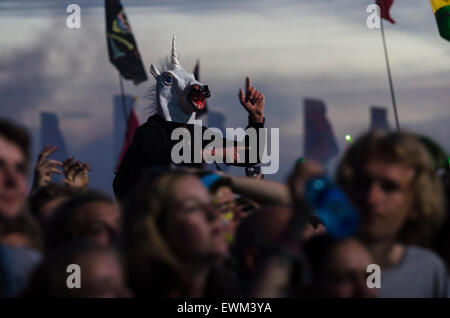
(187, 232)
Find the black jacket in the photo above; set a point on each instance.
(152, 147)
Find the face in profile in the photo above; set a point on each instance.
(343, 273)
(99, 221)
(13, 179)
(383, 196)
(194, 228)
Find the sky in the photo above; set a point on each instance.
(291, 49)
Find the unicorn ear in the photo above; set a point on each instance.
(154, 71)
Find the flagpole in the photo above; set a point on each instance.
(124, 106)
(391, 85)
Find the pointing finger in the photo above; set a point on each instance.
(248, 85)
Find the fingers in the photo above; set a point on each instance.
(54, 162)
(68, 160)
(80, 167)
(262, 101)
(259, 101)
(258, 96)
(50, 165)
(248, 85)
(47, 151)
(68, 166)
(74, 169)
(83, 166)
(251, 95)
(54, 170)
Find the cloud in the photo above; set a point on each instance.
(293, 50)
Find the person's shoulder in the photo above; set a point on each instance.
(153, 125)
(420, 251)
(154, 120)
(431, 266)
(426, 255)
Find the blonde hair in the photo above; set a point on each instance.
(154, 200)
(152, 265)
(427, 190)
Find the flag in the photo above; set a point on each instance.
(197, 77)
(441, 9)
(385, 6)
(320, 143)
(122, 47)
(138, 115)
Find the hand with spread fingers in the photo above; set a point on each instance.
(76, 173)
(45, 167)
(253, 101)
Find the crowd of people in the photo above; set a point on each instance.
(196, 233)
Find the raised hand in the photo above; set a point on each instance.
(253, 101)
(76, 173)
(45, 167)
(303, 171)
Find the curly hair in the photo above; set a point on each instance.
(426, 187)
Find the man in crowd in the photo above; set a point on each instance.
(391, 179)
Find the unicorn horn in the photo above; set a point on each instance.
(174, 57)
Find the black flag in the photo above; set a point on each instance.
(320, 143)
(197, 77)
(378, 118)
(122, 47)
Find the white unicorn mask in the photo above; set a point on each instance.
(178, 94)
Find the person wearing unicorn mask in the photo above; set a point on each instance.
(177, 97)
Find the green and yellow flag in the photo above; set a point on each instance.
(441, 10)
(122, 47)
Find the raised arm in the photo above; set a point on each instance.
(261, 190)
